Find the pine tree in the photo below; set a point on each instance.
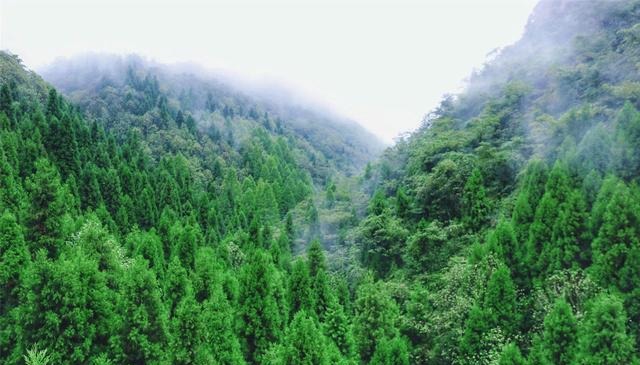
(176, 285)
(541, 230)
(218, 326)
(569, 245)
(12, 195)
(14, 259)
(607, 190)
(615, 248)
(304, 342)
(502, 242)
(500, 300)
(315, 258)
(188, 336)
(393, 351)
(602, 337)
(69, 309)
(528, 198)
(475, 204)
(301, 296)
(47, 209)
(472, 343)
(338, 329)
(145, 324)
(511, 356)
(258, 307)
(375, 318)
(559, 334)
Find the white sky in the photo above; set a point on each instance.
(384, 63)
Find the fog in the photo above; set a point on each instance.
(383, 63)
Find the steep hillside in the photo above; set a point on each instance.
(509, 224)
(128, 92)
(124, 248)
(156, 216)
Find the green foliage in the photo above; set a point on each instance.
(382, 239)
(391, 352)
(475, 204)
(423, 247)
(173, 227)
(615, 249)
(500, 301)
(375, 317)
(261, 317)
(602, 337)
(511, 356)
(559, 335)
(303, 343)
(49, 203)
(35, 356)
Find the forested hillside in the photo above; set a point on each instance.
(153, 247)
(154, 216)
(507, 228)
(133, 93)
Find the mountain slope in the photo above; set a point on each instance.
(115, 249)
(105, 87)
(511, 215)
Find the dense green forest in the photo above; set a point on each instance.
(151, 216)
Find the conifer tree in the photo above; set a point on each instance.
(301, 296)
(603, 339)
(145, 327)
(375, 318)
(559, 334)
(475, 204)
(473, 344)
(47, 208)
(393, 351)
(261, 320)
(528, 198)
(304, 342)
(541, 230)
(615, 248)
(338, 328)
(500, 300)
(511, 356)
(570, 236)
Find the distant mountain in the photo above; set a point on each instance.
(106, 87)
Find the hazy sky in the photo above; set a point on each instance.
(384, 63)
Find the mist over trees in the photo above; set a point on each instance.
(158, 215)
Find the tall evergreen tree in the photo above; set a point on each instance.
(614, 249)
(375, 318)
(559, 334)
(47, 209)
(475, 204)
(602, 337)
(500, 300)
(511, 356)
(261, 318)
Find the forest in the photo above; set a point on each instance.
(153, 216)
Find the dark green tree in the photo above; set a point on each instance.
(559, 334)
(475, 204)
(393, 351)
(375, 318)
(48, 205)
(500, 300)
(602, 337)
(261, 318)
